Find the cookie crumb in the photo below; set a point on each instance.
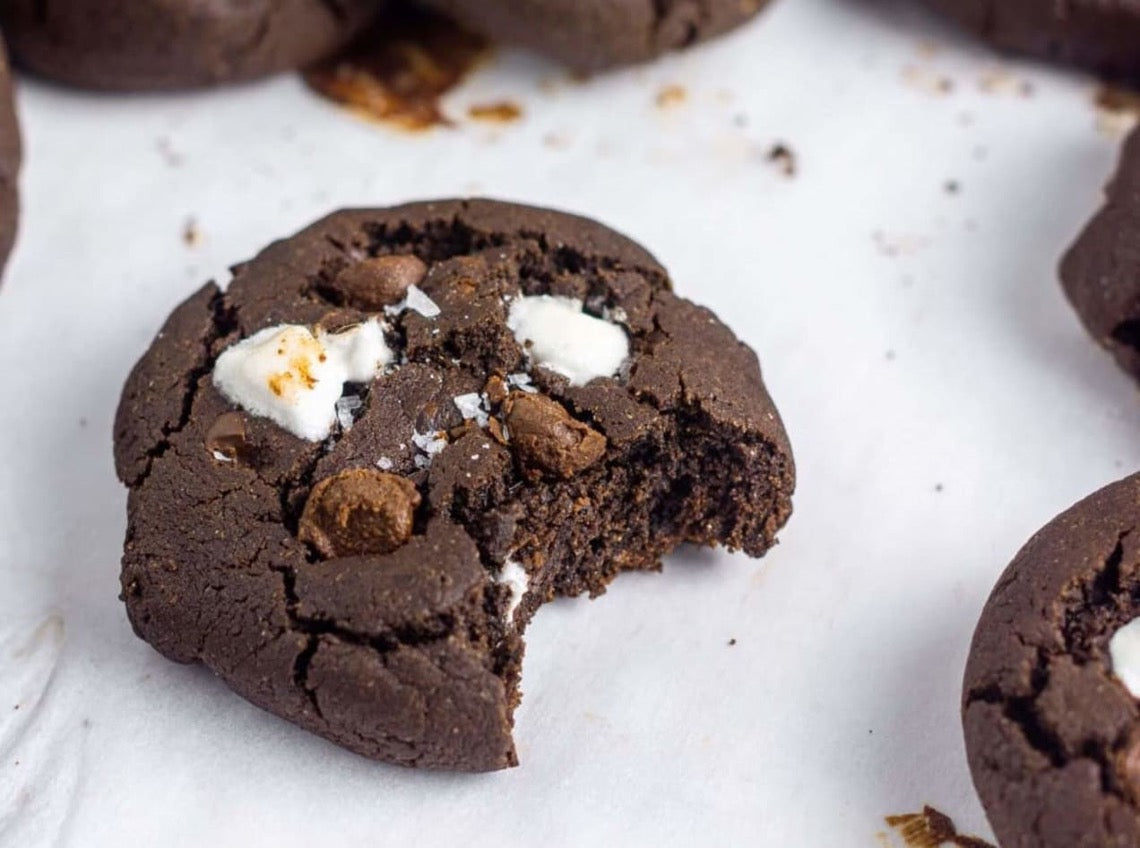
(191, 235)
(931, 829)
(502, 112)
(671, 96)
(784, 158)
(731, 643)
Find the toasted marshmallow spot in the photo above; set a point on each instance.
(295, 379)
(558, 335)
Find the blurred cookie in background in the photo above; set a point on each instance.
(137, 45)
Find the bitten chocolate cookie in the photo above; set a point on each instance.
(356, 473)
(10, 155)
(591, 35)
(1102, 36)
(1098, 271)
(157, 44)
(1050, 706)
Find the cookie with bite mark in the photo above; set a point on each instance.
(357, 473)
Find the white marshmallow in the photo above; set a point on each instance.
(293, 378)
(513, 576)
(566, 340)
(1124, 649)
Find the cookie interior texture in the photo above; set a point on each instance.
(1053, 737)
(414, 656)
(1102, 36)
(592, 35)
(10, 155)
(161, 44)
(1099, 270)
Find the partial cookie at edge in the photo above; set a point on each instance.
(1049, 729)
(1102, 36)
(162, 44)
(10, 156)
(1098, 272)
(592, 35)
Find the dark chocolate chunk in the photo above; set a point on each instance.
(227, 439)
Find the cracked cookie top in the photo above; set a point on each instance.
(356, 473)
(1052, 729)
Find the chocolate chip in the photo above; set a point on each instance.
(379, 282)
(226, 438)
(359, 512)
(545, 437)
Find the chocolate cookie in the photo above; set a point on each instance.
(10, 155)
(1100, 35)
(1050, 710)
(591, 35)
(356, 473)
(1098, 271)
(156, 44)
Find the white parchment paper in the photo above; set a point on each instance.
(941, 397)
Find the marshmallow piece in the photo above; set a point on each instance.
(513, 576)
(1124, 649)
(566, 340)
(295, 379)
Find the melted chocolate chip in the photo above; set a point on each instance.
(359, 512)
(546, 438)
(383, 281)
(226, 439)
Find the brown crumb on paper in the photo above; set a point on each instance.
(671, 96)
(503, 112)
(784, 158)
(399, 70)
(191, 235)
(932, 829)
